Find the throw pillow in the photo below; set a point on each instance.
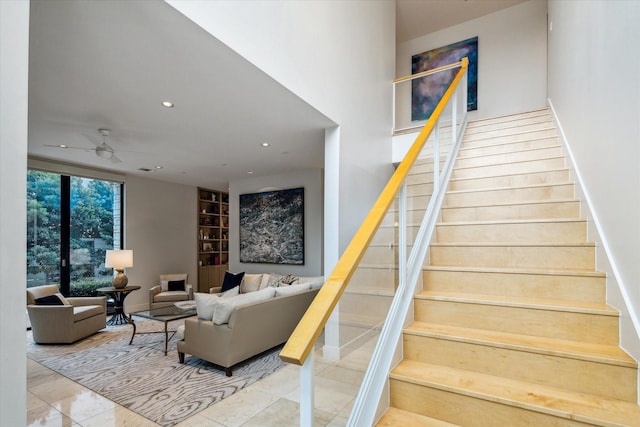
(175, 285)
(231, 280)
(250, 283)
(164, 285)
(230, 293)
(49, 300)
(277, 280)
(205, 305)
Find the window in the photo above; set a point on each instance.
(71, 222)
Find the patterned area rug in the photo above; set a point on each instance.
(141, 378)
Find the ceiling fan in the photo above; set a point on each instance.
(103, 150)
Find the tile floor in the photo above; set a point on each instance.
(54, 400)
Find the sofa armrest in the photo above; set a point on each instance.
(189, 288)
(153, 292)
(215, 290)
(48, 318)
(80, 301)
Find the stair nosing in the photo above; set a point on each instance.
(459, 168)
(497, 144)
(526, 150)
(508, 174)
(514, 244)
(522, 187)
(524, 202)
(471, 137)
(511, 221)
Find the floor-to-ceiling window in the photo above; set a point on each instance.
(71, 222)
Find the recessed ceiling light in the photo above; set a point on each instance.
(167, 104)
(62, 146)
(159, 167)
(249, 172)
(265, 144)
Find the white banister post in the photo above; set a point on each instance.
(402, 235)
(306, 392)
(454, 115)
(393, 118)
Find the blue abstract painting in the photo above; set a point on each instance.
(427, 91)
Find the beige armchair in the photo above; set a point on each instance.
(164, 295)
(68, 321)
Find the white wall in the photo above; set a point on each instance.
(161, 229)
(512, 57)
(311, 181)
(14, 66)
(336, 55)
(594, 89)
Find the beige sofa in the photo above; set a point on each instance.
(251, 328)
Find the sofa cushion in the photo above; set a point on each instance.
(293, 289)
(251, 283)
(175, 285)
(169, 296)
(225, 306)
(231, 280)
(315, 281)
(230, 293)
(85, 311)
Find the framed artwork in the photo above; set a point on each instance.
(427, 91)
(272, 227)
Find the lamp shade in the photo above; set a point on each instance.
(119, 259)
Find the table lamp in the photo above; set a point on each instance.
(119, 259)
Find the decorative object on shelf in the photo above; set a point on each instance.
(272, 227)
(119, 260)
(427, 91)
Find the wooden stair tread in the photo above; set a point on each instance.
(552, 141)
(517, 271)
(560, 403)
(524, 150)
(601, 353)
(531, 303)
(512, 117)
(398, 418)
(362, 290)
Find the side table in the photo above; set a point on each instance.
(118, 295)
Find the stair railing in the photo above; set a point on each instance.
(299, 348)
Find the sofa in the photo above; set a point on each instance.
(234, 326)
(59, 320)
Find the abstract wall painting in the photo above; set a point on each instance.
(427, 91)
(272, 227)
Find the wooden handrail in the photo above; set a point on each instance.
(304, 337)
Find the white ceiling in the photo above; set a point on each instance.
(109, 64)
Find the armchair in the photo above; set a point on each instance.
(68, 321)
(172, 288)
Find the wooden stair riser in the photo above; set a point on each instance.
(560, 176)
(420, 178)
(579, 375)
(417, 190)
(531, 232)
(566, 325)
(523, 194)
(366, 304)
(546, 210)
(496, 149)
(544, 120)
(425, 166)
(386, 235)
(557, 257)
(472, 133)
(511, 118)
(587, 288)
(374, 279)
(481, 140)
(540, 165)
(395, 417)
(466, 410)
(383, 255)
(413, 203)
(517, 156)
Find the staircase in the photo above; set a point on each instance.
(512, 328)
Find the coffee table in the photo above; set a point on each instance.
(164, 315)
